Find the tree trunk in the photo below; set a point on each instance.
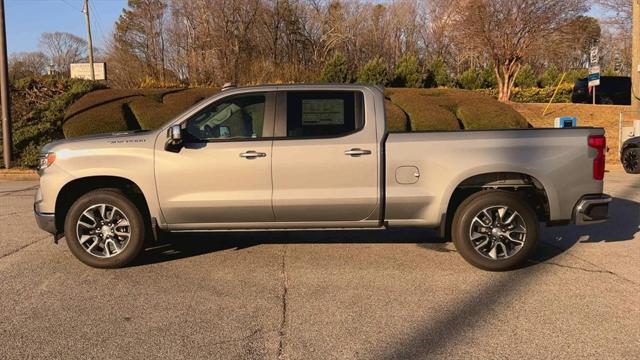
(506, 77)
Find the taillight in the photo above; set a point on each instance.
(598, 142)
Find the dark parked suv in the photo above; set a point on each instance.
(630, 155)
(613, 90)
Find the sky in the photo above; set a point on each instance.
(27, 19)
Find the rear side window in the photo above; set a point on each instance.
(323, 113)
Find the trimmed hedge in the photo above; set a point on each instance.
(451, 109)
(406, 110)
(425, 108)
(117, 109)
(397, 120)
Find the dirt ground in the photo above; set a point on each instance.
(606, 116)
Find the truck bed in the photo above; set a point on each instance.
(559, 159)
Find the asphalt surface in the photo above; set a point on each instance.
(307, 295)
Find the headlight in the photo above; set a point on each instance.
(46, 160)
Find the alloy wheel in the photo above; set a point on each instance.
(630, 161)
(497, 232)
(103, 230)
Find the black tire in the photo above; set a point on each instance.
(474, 205)
(112, 197)
(631, 160)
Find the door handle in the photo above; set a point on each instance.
(252, 154)
(357, 152)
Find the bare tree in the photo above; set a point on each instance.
(140, 32)
(24, 64)
(620, 10)
(616, 50)
(509, 30)
(63, 49)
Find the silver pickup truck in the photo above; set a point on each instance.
(317, 157)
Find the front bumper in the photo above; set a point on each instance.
(592, 209)
(46, 222)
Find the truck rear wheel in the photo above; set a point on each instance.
(495, 230)
(104, 229)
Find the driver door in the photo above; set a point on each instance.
(221, 177)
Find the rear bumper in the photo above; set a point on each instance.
(46, 222)
(592, 209)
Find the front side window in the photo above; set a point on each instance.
(237, 117)
(321, 113)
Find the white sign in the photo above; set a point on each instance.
(83, 71)
(594, 58)
(322, 112)
(594, 76)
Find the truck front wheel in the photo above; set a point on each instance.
(495, 230)
(104, 229)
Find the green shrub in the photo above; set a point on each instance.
(373, 73)
(489, 79)
(407, 73)
(38, 110)
(471, 79)
(536, 95)
(574, 75)
(438, 74)
(526, 78)
(335, 70)
(550, 77)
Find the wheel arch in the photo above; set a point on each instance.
(526, 185)
(72, 190)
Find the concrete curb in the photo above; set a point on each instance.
(18, 175)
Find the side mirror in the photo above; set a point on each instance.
(174, 141)
(175, 133)
(224, 131)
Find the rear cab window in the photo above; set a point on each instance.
(312, 114)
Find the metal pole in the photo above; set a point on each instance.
(635, 57)
(5, 99)
(620, 132)
(90, 42)
(554, 94)
(594, 94)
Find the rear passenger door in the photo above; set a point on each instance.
(325, 165)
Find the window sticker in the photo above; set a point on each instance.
(322, 112)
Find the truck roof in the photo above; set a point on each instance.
(303, 86)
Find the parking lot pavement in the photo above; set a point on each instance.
(302, 295)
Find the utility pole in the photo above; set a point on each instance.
(5, 99)
(635, 59)
(86, 16)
